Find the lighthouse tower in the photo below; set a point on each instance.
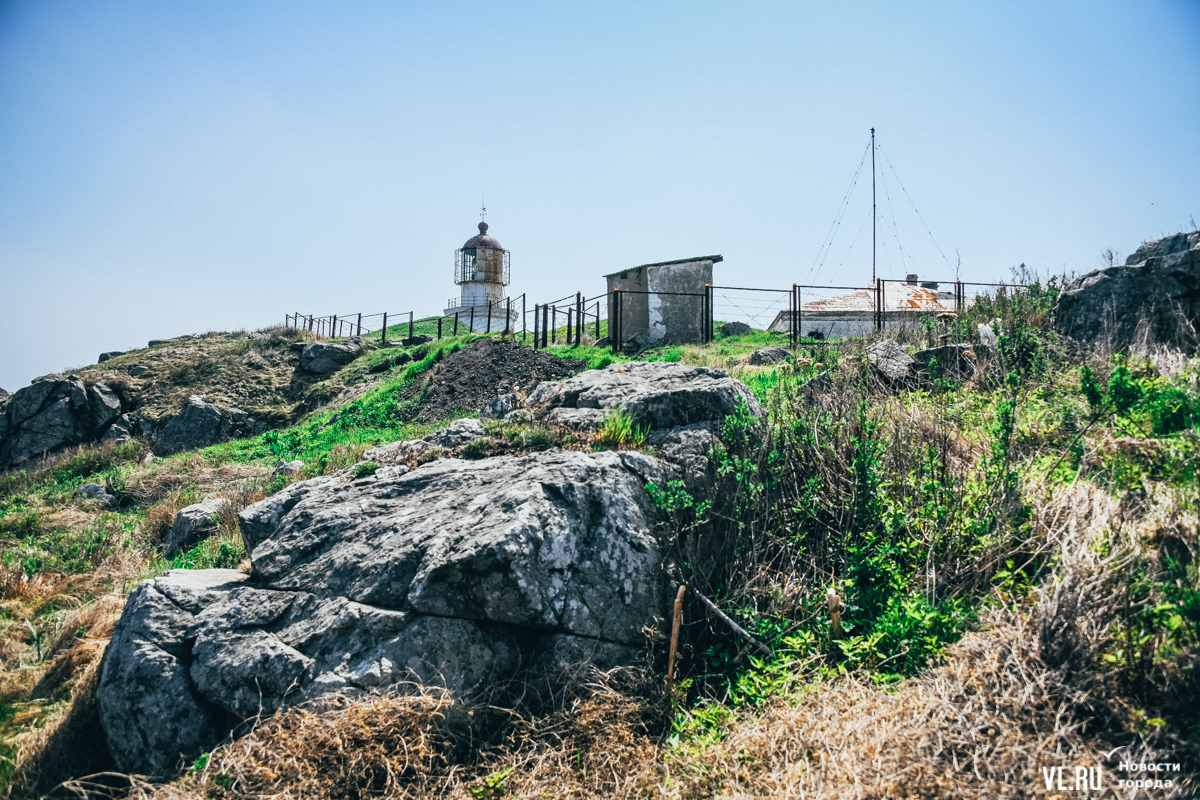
(481, 269)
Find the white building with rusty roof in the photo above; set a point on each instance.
(853, 313)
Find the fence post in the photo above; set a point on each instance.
(508, 331)
(567, 340)
(440, 328)
(489, 319)
(597, 320)
(471, 322)
(545, 322)
(799, 315)
(614, 324)
(523, 316)
(384, 330)
(456, 323)
(333, 327)
(580, 318)
(410, 327)
(707, 334)
(536, 328)
(359, 324)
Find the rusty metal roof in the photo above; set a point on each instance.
(482, 239)
(896, 297)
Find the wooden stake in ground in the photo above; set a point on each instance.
(674, 640)
(835, 611)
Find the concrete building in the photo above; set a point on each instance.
(662, 302)
(481, 268)
(852, 314)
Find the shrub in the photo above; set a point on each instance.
(619, 430)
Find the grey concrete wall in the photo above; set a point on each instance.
(635, 316)
(652, 318)
(673, 318)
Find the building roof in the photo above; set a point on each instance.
(482, 239)
(896, 297)
(714, 259)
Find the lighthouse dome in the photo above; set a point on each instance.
(482, 239)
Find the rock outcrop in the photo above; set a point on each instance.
(202, 424)
(457, 573)
(1154, 297)
(658, 395)
(193, 523)
(735, 329)
(956, 361)
(98, 493)
(324, 358)
(890, 360)
(456, 434)
(453, 574)
(52, 413)
(769, 355)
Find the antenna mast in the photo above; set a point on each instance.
(872, 205)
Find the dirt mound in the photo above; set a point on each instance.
(474, 376)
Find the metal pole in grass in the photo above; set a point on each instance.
(384, 330)
(359, 324)
(536, 328)
(545, 325)
(333, 327)
(410, 327)
(508, 331)
(523, 322)
(456, 323)
(471, 324)
(489, 319)
(440, 328)
(597, 320)
(567, 340)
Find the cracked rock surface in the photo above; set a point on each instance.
(457, 574)
(656, 394)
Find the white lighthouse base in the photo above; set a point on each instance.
(479, 322)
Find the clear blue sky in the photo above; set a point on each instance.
(169, 168)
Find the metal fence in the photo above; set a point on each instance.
(482, 318)
(800, 312)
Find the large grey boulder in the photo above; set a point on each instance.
(890, 360)
(688, 449)
(769, 355)
(1154, 297)
(457, 434)
(153, 719)
(453, 574)
(110, 354)
(97, 492)
(52, 413)
(957, 361)
(119, 432)
(323, 358)
(105, 406)
(655, 394)
(193, 523)
(197, 424)
(735, 329)
(201, 424)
